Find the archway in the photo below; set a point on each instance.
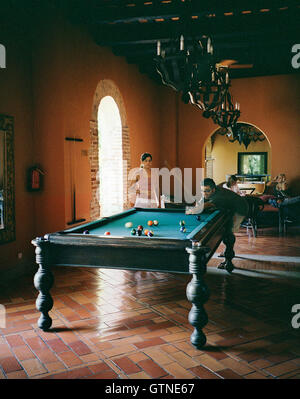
(107, 88)
(221, 152)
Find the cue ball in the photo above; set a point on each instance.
(150, 223)
(128, 225)
(107, 233)
(155, 222)
(86, 232)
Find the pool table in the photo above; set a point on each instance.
(168, 250)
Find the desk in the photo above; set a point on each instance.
(169, 250)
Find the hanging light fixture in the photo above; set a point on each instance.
(243, 133)
(226, 114)
(188, 66)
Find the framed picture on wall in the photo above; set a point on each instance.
(252, 163)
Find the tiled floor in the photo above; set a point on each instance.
(110, 324)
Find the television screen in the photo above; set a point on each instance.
(252, 163)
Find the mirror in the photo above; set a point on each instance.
(7, 180)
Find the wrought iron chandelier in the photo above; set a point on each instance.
(243, 133)
(188, 66)
(226, 114)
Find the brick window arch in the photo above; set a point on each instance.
(106, 88)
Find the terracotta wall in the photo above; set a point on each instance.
(15, 100)
(271, 103)
(49, 89)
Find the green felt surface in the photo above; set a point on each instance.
(168, 226)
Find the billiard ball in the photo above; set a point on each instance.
(107, 233)
(182, 222)
(133, 232)
(139, 232)
(198, 217)
(155, 222)
(128, 225)
(150, 223)
(182, 229)
(146, 231)
(140, 227)
(150, 233)
(86, 232)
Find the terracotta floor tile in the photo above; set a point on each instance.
(248, 332)
(141, 375)
(255, 376)
(204, 373)
(229, 374)
(69, 358)
(55, 366)
(80, 348)
(159, 356)
(151, 368)
(150, 342)
(239, 367)
(17, 375)
(73, 374)
(33, 367)
(91, 357)
(23, 353)
(10, 364)
(5, 351)
(282, 368)
(127, 365)
(99, 367)
(178, 371)
(57, 345)
(45, 355)
(106, 375)
(15, 340)
(184, 360)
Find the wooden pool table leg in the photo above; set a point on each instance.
(197, 292)
(43, 281)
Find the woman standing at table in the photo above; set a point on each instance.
(144, 184)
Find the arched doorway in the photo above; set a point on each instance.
(108, 93)
(110, 157)
(222, 152)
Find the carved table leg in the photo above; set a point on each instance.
(43, 281)
(229, 240)
(197, 292)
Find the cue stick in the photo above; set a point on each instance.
(73, 179)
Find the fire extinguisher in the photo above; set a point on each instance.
(35, 178)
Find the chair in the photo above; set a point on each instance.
(255, 205)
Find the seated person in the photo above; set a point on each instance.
(232, 184)
(282, 198)
(224, 199)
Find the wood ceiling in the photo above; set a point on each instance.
(256, 34)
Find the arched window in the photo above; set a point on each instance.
(110, 157)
